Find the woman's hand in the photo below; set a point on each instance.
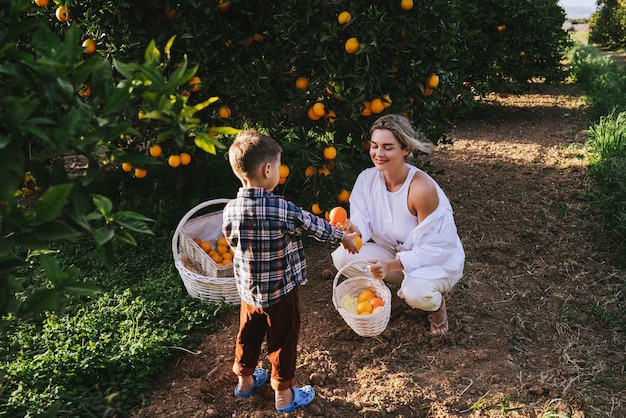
(349, 243)
(378, 268)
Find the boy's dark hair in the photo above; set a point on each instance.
(251, 149)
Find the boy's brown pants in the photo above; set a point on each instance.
(281, 324)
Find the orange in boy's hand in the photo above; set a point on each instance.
(359, 242)
(337, 215)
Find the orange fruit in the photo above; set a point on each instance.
(338, 214)
(367, 110)
(217, 258)
(227, 255)
(427, 91)
(224, 112)
(310, 170)
(364, 308)
(282, 180)
(343, 196)
(311, 114)
(406, 4)
(222, 240)
(127, 167)
(140, 115)
(227, 261)
(223, 5)
(42, 3)
(319, 109)
(62, 14)
(377, 105)
(302, 83)
(283, 170)
(173, 161)
(140, 173)
(330, 153)
(315, 208)
(344, 17)
(323, 171)
(206, 246)
(359, 242)
(185, 158)
(352, 45)
(195, 82)
(258, 37)
(387, 101)
(155, 151)
(85, 91)
(89, 45)
(331, 116)
(366, 295)
(522, 53)
(222, 248)
(376, 301)
(170, 14)
(433, 81)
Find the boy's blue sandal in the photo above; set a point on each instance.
(259, 376)
(301, 397)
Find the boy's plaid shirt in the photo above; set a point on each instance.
(265, 231)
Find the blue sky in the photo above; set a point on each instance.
(576, 7)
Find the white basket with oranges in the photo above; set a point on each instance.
(363, 302)
(202, 257)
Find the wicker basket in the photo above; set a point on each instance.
(364, 325)
(203, 278)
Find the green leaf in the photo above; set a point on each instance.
(133, 221)
(51, 203)
(12, 169)
(103, 203)
(168, 46)
(102, 235)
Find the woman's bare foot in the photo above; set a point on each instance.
(439, 320)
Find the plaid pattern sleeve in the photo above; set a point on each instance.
(265, 232)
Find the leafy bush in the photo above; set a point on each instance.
(96, 357)
(607, 26)
(607, 165)
(603, 80)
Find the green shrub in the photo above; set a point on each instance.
(97, 356)
(607, 26)
(607, 165)
(603, 80)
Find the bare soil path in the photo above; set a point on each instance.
(534, 324)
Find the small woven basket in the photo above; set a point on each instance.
(202, 277)
(365, 325)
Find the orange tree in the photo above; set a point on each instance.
(607, 26)
(82, 77)
(60, 99)
(507, 44)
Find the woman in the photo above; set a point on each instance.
(406, 223)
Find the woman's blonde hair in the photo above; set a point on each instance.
(404, 132)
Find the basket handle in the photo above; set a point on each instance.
(190, 214)
(341, 270)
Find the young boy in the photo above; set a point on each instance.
(265, 232)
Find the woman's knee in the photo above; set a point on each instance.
(419, 297)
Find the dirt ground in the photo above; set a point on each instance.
(526, 338)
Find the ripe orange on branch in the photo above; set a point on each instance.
(330, 153)
(352, 45)
(185, 158)
(155, 151)
(344, 17)
(62, 14)
(283, 170)
(302, 83)
(42, 3)
(174, 161)
(89, 45)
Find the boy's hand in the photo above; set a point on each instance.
(349, 243)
